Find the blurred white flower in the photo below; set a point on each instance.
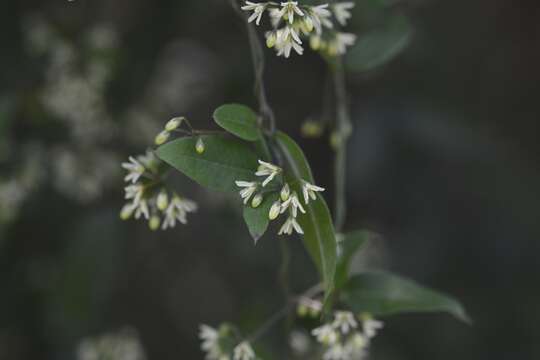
(258, 10)
(371, 326)
(243, 351)
(344, 321)
(124, 345)
(325, 334)
(135, 170)
(342, 11)
(289, 9)
(177, 211)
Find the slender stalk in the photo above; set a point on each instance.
(343, 131)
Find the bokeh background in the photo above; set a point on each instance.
(444, 164)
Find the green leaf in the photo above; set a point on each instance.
(319, 235)
(348, 247)
(381, 293)
(380, 46)
(224, 161)
(257, 219)
(239, 120)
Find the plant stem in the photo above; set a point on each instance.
(343, 131)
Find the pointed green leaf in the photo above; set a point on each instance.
(319, 235)
(381, 293)
(257, 219)
(347, 248)
(239, 120)
(224, 161)
(380, 46)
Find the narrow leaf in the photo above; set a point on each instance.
(347, 248)
(381, 293)
(239, 120)
(224, 161)
(257, 219)
(319, 235)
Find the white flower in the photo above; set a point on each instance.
(243, 351)
(210, 342)
(288, 39)
(127, 211)
(358, 343)
(344, 321)
(341, 41)
(134, 192)
(309, 191)
(337, 352)
(177, 211)
(342, 11)
(325, 334)
(290, 225)
(299, 342)
(249, 187)
(320, 16)
(135, 170)
(142, 210)
(288, 9)
(258, 10)
(371, 326)
(267, 169)
(294, 204)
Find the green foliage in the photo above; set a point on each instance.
(348, 247)
(381, 293)
(319, 234)
(257, 219)
(224, 161)
(381, 45)
(239, 120)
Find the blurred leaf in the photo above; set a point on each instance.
(224, 161)
(381, 293)
(257, 219)
(239, 120)
(380, 46)
(319, 235)
(350, 245)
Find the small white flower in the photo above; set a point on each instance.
(337, 352)
(258, 10)
(127, 211)
(290, 225)
(135, 170)
(177, 211)
(320, 15)
(288, 9)
(293, 204)
(268, 170)
(142, 210)
(358, 343)
(135, 193)
(288, 39)
(309, 190)
(249, 188)
(325, 334)
(344, 321)
(341, 42)
(371, 326)
(342, 11)
(243, 351)
(210, 341)
(299, 342)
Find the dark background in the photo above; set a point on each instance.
(443, 163)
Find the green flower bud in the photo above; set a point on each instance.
(199, 146)
(271, 39)
(314, 312)
(285, 192)
(162, 200)
(173, 124)
(154, 223)
(315, 42)
(256, 201)
(311, 129)
(127, 212)
(274, 210)
(162, 137)
(302, 310)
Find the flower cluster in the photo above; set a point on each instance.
(288, 202)
(344, 338)
(147, 196)
(218, 344)
(291, 21)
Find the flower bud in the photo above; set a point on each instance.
(127, 211)
(307, 24)
(271, 39)
(256, 201)
(311, 129)
(335, 140)
(162, 200)
(314, 312)
(274, 210)
(162, 137)
(199, 146)
(154, 223)
(173, 124)
(285, 192)
(302, 310)
(315, 42)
